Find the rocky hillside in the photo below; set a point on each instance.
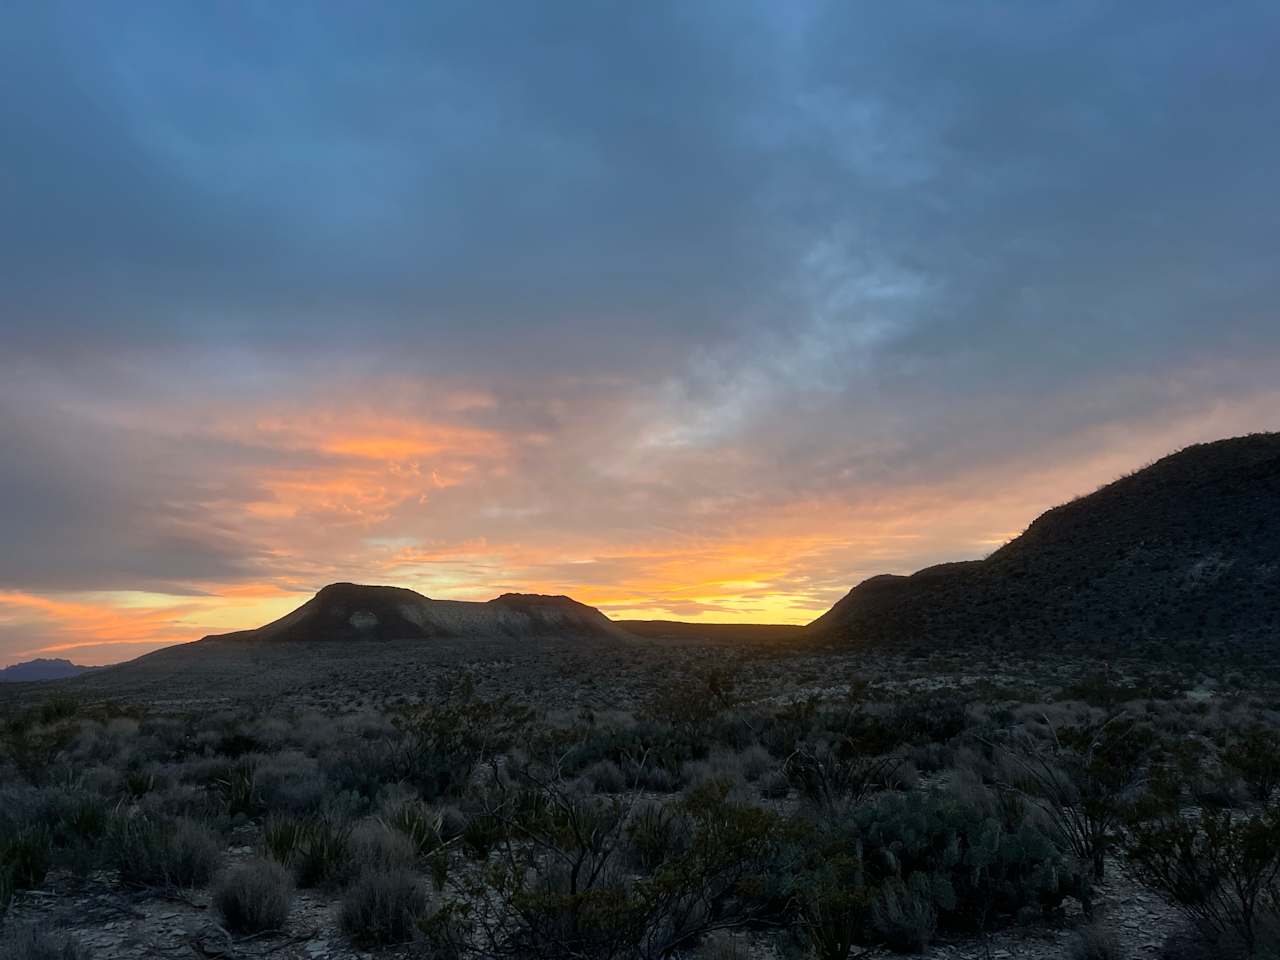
(1184, 554)
(349, 612)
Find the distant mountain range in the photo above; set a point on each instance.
(349, 611)
(1184, 553)
(41, 669)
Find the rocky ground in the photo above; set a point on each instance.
(117, 924)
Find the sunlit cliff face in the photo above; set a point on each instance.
(688, 311)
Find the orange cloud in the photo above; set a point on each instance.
(119, 625)
(466, 513)
(66, 624)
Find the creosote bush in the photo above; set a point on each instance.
(1222, 870)
(441, 744)
(254, 897)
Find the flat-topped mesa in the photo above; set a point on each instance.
(355, 612)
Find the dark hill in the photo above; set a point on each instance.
(1184, 553)
(41, 669)
(348, 611)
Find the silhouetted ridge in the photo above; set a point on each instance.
(355, 612)
(41, 669)
(1185, 551)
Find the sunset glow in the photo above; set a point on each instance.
(475, 300)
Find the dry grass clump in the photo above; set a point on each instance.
(165, 855)
(254, 897)
(383, 908)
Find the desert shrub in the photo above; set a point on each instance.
(904, 915)
(452, 822)
(929, 718)
(423, 826)
(775, 785)
(481, 835)
(605, 776)
(1096, 942)
(754, 762)
(931, 757)
(656, 832)
(138, 783)
(235, 742)
(979, 865)
(290, 783)
(1255, 755)
(183, 800)
(254, 897)
(444, 932)
(442, 743)
(33, 740)
(726, 876)
(1083, 779)
(317, 849)
(651, 754)
(575, 898)
(383, 908)
(559, 912)
(281, 836)
(57, 707)
(832, 899)
(75, 819)
(167, 855)
(1221, 870)
(1102, 690)
(722, 945)
(25, 857)
(571, 899)
(655, 779)
(835, 774)
(26, 942)
(377, 848)
(363, 768)
(720, 766)
(238, 788)
(903, 776)
(692, 700)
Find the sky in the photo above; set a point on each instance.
(692, 310)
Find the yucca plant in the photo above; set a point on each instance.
(317, 849)
(417, 821)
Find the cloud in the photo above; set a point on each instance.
(703, 309)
